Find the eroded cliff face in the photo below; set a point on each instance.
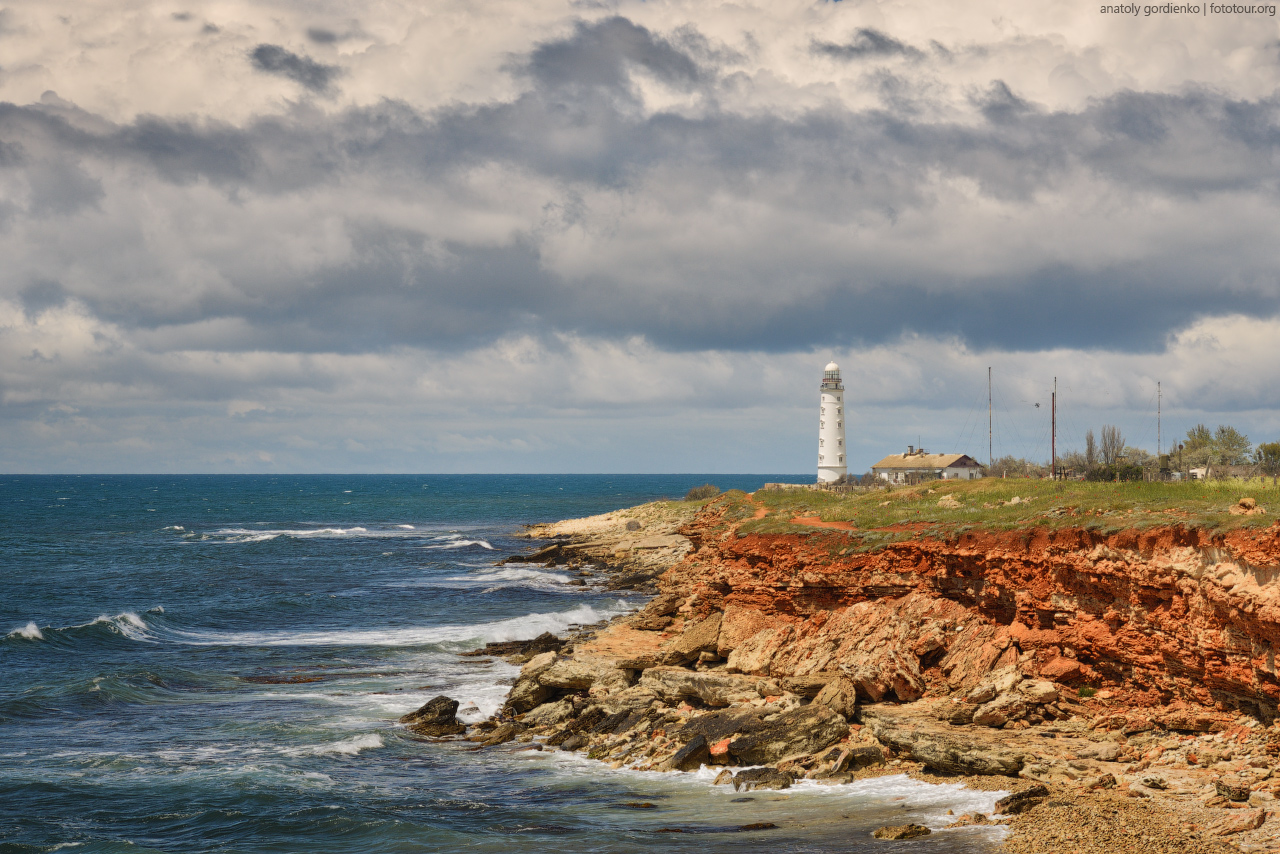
(1155, 615)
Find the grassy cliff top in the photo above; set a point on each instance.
(942, 508)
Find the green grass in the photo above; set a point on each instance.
(985, 505)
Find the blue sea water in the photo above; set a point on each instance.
(216, 664)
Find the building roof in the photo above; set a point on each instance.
(925, 461)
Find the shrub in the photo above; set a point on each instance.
(701, 493)
(1086, 691)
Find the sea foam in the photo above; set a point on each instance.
(30, 632)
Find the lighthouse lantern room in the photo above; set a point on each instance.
(831, 464)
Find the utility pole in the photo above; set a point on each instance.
(1053, 440)
(1158, 424)
(991, 459)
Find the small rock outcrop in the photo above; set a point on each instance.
(437, 717)
(902, 831)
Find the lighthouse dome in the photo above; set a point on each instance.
(832, 366)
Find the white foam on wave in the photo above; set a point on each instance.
(173, 528)
(493, 579)
(462, 544)
(349, 747)
(258, 535)
(29, 632)
(127, 623)
(515, 628)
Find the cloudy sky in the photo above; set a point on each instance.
(625, 236)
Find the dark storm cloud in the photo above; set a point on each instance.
(866, 42)
(320, 35)
(601, 55)
(577, 126)
(304, 70)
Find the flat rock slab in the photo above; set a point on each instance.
(951, 750)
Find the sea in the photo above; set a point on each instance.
(216, 664)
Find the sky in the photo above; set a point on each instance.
(547, 236)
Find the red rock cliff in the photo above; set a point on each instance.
(1156, 615)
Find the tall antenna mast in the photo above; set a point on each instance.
(1053, 441)
(1157, 424)
(991, 460)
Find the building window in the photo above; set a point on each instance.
(821, 458)
(822, 442)
(840, 442)
(837, 410)
(839, 424)
(822, 425)
(841, 458)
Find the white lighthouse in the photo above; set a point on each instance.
(831, 464)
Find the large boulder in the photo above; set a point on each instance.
(761, 778)
(997, 682)
(435, 718)
(699, 637)
(840, 696)
(529, 691)
(691, 757)
(715, 727)
(714, 689)
(941, 747)
(1001, 710)
(807, 729)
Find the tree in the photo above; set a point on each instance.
(1268, 457)
(1224, 446)
(1234, 447)
(1112, 444)
(1090, 450)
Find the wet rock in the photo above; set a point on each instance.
(902, 831)
(528, 691)
(970, 820)
(720, 725)
(714, 689)
(761, 778)
(807, 729)
(504, 733)
(691, 757)
(574, 742)
(435, 718)
(759, 825)
(724, 777)
(1022, 800)
(550, 714)
(865, 756)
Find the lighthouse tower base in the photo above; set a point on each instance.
(830, 474)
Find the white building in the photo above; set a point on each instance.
(831, 450)
(916, 465)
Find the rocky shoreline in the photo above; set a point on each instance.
(781, 657)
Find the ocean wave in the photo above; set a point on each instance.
(349, 747)
(515, 628)
(126, 624)
(332, 532)
(462, 544)
(28, 632)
